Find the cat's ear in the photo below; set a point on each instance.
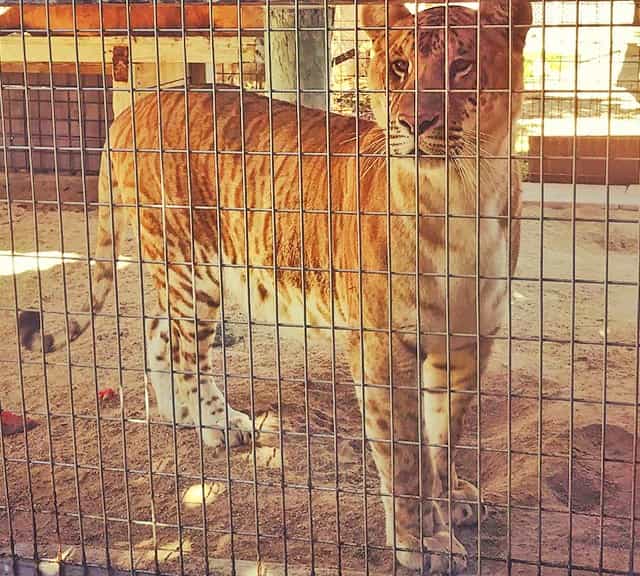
(372, 15)
(496, 12)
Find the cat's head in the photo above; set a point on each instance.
(440, 67)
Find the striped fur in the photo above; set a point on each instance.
(244, 197)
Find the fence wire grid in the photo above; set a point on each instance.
(452, 209)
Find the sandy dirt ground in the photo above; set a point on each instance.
(109, 477)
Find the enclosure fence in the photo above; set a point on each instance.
(319, 287)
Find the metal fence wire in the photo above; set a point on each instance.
(319, 287)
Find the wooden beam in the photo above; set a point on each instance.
(112, 18)
(58, 67)
(143, 49)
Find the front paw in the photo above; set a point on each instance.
(240, 428)
(442, 555)
(446, 555)
(238, 433)
(465, 505)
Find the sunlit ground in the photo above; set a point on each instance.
(18, 262)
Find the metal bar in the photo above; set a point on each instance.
(58, 48)
(64, 290)
(167, 86)
(344, 212)
(636, 404)
(292, 3)
(303, 283)
(509, 278)
(549, 279)
(540, 302)
(94, 355)
(145, 360)
(394, 491)
(351, 492)
(194, 298)
(477, 303)
(40, 298)
(276, 268)
(447, 269)
(221, 320)
(555, 340)
(114, 266)
(362, 383)
(419, 354)
(545, 397)
(605, 349)
(332, 296)
(85, 206)
(247, 267)
(203, 504)
(165, 264)
(14, 310)
(27, 568)
(573, 292)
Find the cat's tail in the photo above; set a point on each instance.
(112, 224)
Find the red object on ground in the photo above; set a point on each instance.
(106, 394)
(13, 424)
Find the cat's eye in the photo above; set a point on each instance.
(399, 67)
(461, 68)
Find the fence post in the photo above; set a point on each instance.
(280, 67)
(629, 75)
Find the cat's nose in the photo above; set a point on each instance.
(428, 123)
(406, 122)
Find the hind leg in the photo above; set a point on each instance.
(159, 372)
(187, 352)
(186, 401)
(206, 402)
(218, 422)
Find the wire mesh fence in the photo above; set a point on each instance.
(319, 288)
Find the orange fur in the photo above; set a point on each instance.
(364, 251)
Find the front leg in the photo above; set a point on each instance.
(396, 454)
(446, 398)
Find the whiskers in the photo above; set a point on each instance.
(349, 140)
(375, 153)
(372, 149)
(484, 145)
(470, 154)
(475, 158)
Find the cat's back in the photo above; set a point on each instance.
(267, 124)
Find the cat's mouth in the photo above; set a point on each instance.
(433, 144)
(429, 145)
(436, 149)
